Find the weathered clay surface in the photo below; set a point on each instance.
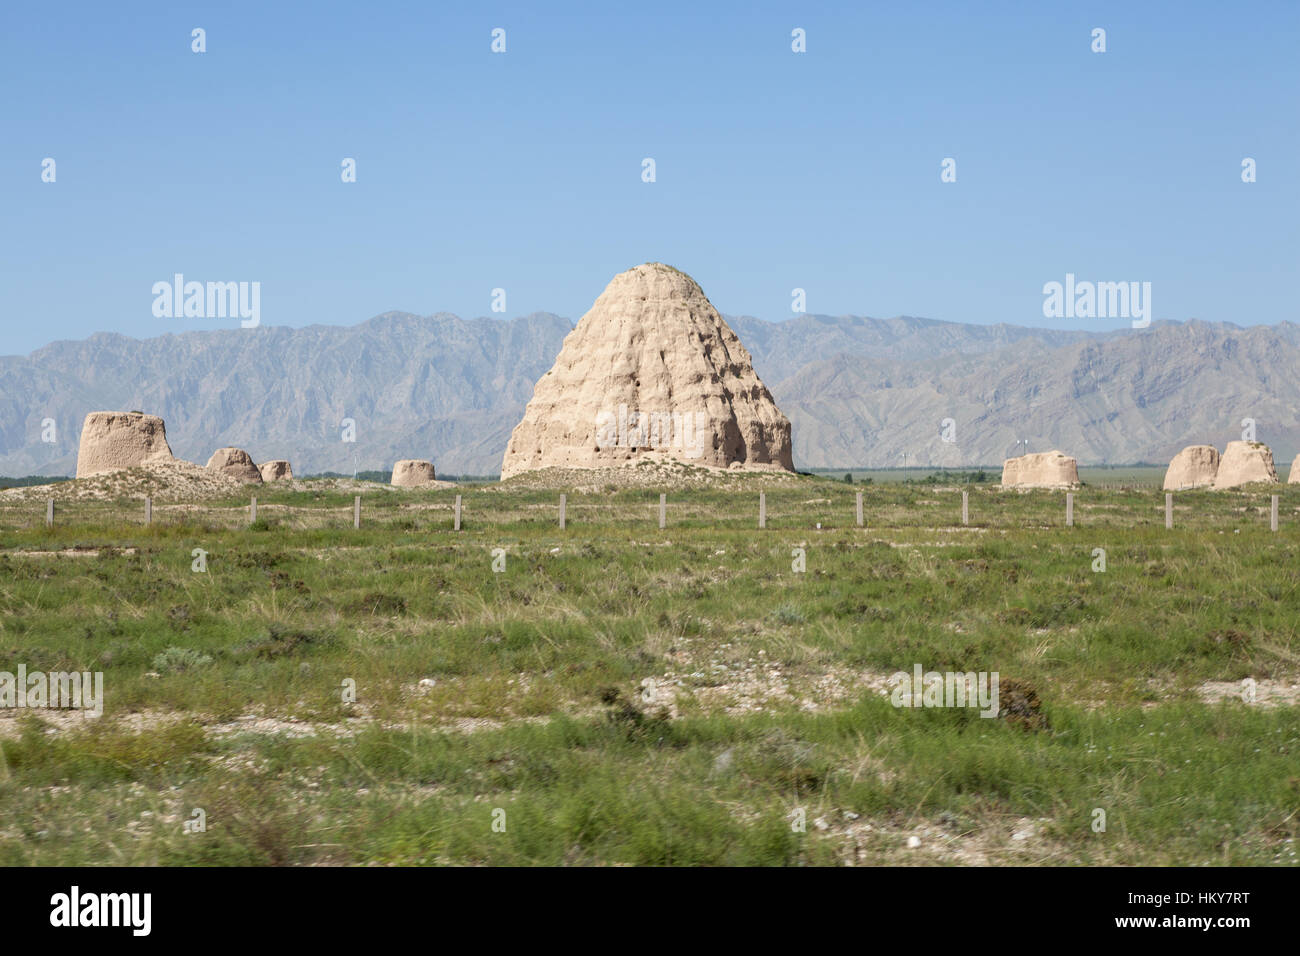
(1194, 467)
(1044, 469)
(411, 472)
(1244, 463)
(277, 470)
(112, 441)
(651, 371)
(236, 463)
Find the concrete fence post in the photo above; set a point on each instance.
(457, 525)
(1069, 509)
(1169, 511)
(148, 510)
(356, 512)
(965, 507)
(49, 512)
(762, 509)
(663, 511)
(252, 510)
(1273, 515)
(858, 509)
(563, 502)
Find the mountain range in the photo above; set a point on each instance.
(860, 392)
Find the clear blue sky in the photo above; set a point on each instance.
(523, 171)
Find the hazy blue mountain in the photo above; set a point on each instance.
(859, 391)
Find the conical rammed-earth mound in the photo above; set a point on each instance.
(651, 371)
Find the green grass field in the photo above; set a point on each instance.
(621, 694)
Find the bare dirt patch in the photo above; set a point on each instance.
(755, 684)
(1263, 693)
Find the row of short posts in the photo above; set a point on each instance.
(1169, 512)
(762, 510)
(356, 512)
(663, 511)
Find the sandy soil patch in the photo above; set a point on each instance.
(174, 481)
(647, 473)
